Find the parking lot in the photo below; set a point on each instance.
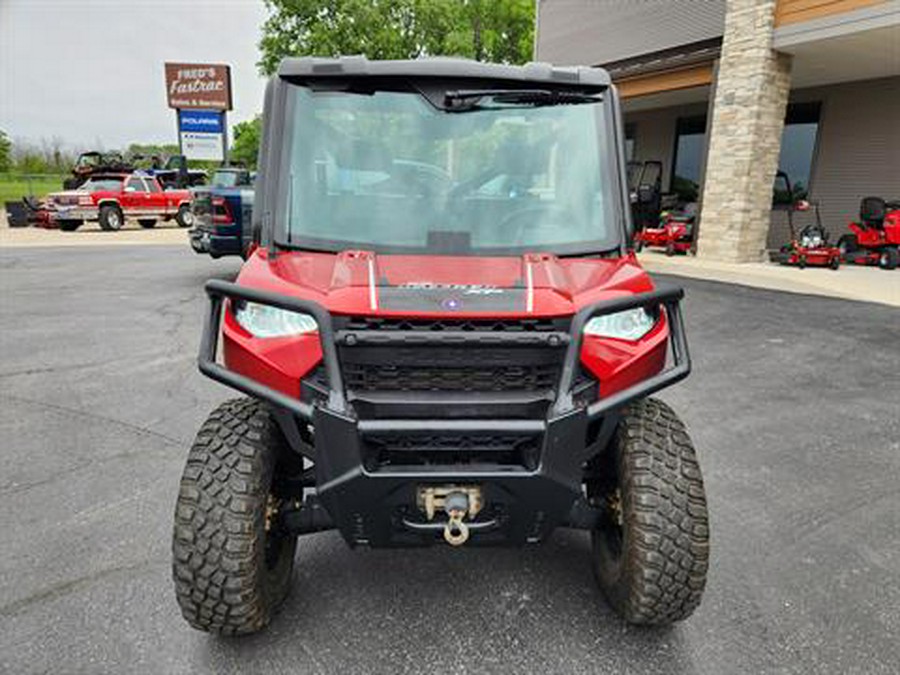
(792, 406)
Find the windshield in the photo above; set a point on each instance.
(227, 179)
(390, 171)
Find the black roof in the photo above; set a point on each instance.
(360, 66)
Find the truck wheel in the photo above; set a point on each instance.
(184, 218)
(231, 563)
(889, 259)
(652, 553)
(111, 218)
(670, 249)
(848, 244)
(69, 225)
(147, 223)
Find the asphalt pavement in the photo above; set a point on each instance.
(793, 406)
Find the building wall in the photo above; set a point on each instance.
(857, 151)
(594, 32)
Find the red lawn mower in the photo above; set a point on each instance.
(811, 247)
(674, 234)
(875, 239)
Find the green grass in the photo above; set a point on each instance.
(15, 186)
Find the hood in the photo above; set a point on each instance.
(361, 282)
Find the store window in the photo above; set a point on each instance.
(690, 144)
(798, 145)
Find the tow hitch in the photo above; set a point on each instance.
(459, 502)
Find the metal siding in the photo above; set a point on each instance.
(857, 153)
(594, 32)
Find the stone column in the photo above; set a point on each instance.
(745, 136)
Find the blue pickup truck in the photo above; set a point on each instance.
(222, 211)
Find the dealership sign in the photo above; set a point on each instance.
(198, 86)
(202, 134)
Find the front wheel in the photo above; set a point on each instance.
(184, 217)
(232, 563)
(652, 552)
(848, 244)
(889, 259)
(111, 218)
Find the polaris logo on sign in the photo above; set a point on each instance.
(204, 121)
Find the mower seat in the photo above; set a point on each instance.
(872, 211)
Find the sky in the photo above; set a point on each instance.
(91, 71)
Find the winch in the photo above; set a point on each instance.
(459, 502)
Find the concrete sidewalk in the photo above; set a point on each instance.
(851, 282)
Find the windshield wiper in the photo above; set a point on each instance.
(471, 99)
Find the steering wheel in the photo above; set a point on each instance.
(525, 217)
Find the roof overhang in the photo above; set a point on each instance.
(859, 45)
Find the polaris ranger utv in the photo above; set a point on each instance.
(444, 338)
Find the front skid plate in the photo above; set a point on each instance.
(369, 507)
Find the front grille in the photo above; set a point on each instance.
(361, 377)
(388, 450)
(489, 367)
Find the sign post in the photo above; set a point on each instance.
(200, 95)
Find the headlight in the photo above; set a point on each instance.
(632, 324)
(266, 321)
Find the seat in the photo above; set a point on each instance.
(872, 211)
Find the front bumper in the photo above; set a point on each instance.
(374, 502)
(71, 213)
(203, 241)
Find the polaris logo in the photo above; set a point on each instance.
(465, 289)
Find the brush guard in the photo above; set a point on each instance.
(376, 506)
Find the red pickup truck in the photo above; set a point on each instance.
(110, 198)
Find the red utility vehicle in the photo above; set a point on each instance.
(110, 198)
(444, 337)
(875, 239)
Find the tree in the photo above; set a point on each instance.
(5, 151)
(486, 30)
(246, 142)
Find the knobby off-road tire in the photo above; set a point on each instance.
(651, 557)
(232, 570)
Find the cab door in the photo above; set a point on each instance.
(156, 197)
(136, 197)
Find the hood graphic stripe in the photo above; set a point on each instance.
(373, 296)
(529, 298)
